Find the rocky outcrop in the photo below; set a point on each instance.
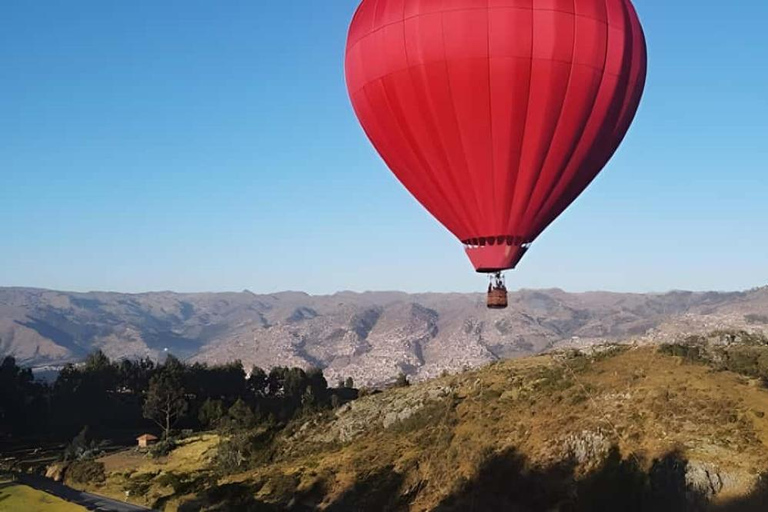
(587, 448)
(366, 415)
(56, 471)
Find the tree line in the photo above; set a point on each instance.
(113, 398)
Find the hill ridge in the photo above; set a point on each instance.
(369, 336)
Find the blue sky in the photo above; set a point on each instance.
(203, 146)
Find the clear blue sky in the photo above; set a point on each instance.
(209, 145)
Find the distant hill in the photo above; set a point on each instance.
(370, 337)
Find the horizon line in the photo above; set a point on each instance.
(369, 292)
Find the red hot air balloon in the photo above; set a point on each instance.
(496, 114)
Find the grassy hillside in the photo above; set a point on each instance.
(621, 429)
(18, 498)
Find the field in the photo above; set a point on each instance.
(20, 498)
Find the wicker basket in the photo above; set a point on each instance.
(497, 299)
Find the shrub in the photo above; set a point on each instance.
(231, 456)
(171, 480)
(82, 447)
(240, 416)
(85, 472)
(283, 486)
(139, 485)
(691, 353)
(162, 448)
(186, 483)
(744, 362)
(552, 379)
(756, 319)
(754, 339)
(211, 413)
(244, 449)
(610, 351)
(402, 381)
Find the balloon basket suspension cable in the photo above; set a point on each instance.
(497, 292)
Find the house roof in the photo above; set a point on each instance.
(146, 437)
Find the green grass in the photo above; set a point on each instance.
(16, 498)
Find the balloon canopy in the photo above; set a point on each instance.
(496, 114)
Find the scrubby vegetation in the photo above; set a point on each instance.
(613, 429)
(86, 472)
(754, 318)
(740, 352)
(83, 447)
(681, 427)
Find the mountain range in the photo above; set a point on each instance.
(371, 337)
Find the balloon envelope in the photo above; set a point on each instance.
(496, 114)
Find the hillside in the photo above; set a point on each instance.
(625, 428)
(371, 337)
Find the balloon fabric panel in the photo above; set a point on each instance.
(496, 114)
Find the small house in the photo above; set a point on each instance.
(146, 440)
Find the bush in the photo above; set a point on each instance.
(82, 447)
(402, 381)
(171, 480)
(85, 472)
(162, 448)
(243, 450)
(365, 391)
(240, 416)
(553, 379)
(230, 457)
(691, 353)
(211, 413)
(186, 483)
(139, 485)
(755, 339)
(744, 362)
(756, 319)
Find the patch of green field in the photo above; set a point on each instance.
(16, 498)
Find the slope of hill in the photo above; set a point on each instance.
(628, 429)
(371, 337)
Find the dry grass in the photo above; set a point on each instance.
(133, 472)
(643, 402)
(189, 456)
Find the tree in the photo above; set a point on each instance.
(17, 392)
(83, 446)
(98, 362)
(211, 413)
(221, 382)
(100, 375)
(165, 402)
(316, 391)
(276, 381)
(257, 382)
(134, 376)
(241, 415)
